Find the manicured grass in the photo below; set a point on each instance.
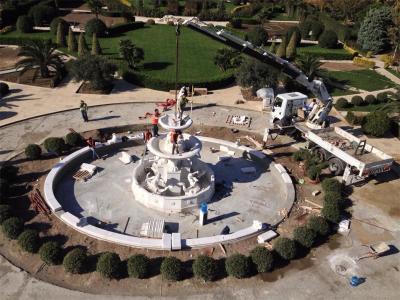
(395, 73)
(324, 52)
(283, 17)
(37, 34)
(196, 61)
(368, 80)
(363, 108)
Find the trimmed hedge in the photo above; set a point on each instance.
(286, 248)
(33, 151)
(109, 265)
(4, 89)
(29, 240)
(24, 24)
(205, 268)
(238, 266)
(262, 259)
(171, 268)
(54, 144)
(6, 40)
(75, 261)
(5, 212)
(376, 124)
(332, 185)
(354, 119)
(138, 266)
(51, 253)
(12, 227)
(342, 103)
(328, 39)
(73, 139)
(363, 62)
(54, 26)
(304, 236)
(165, 85)
(357, 100)
(331, 212)
(319, 225)
(370, 99)
(95, 26)
(382, 97)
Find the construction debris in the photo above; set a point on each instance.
(316, 192)
(313, 203)
(222, 249)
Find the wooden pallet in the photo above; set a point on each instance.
(229, 120)
(81, 175)
(38, 202)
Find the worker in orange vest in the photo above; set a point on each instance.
(154, 122)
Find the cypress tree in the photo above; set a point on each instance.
(291, 48)
(82, 46)
(272, 49)
(60, 36)
(281, 52)
(96, 49)
(72, 44)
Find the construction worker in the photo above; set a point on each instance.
(154, 122)
(92, 145)
(146, 138)
(84, 109)
(173, 138)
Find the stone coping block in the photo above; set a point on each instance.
(176, 241)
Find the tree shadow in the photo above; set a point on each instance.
(60, 239)
(39, 226)
(157, 65)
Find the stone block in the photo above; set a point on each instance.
(176, 241)
(126, 158)
(166, 241)
(266, 236)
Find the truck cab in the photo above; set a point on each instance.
(286, 105)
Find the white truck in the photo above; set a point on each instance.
(346, 154)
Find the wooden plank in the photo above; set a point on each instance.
(313, 203)
(222, 248)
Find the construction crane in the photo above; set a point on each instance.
(285, 106)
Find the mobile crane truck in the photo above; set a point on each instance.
(346, 154)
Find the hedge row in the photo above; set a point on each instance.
(330, 55)
(166, 85)
(363, 62)
(357, 100)
(5, 40)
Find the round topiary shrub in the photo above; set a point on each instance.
(29, 240)
(333, 197)
(109, 265)
(238, 266)
(350, 117)
(357, 101)
(286, 248)
(262, 259)
(5, 212)
(370, 99)
(332, 185)
(300, 155)
(342, 103)
(171, 268)
(304, 236)
(42, 14)
(150, 22)
(205, 268)
(75, 261)
(236, 23)
(316, 29)
(382, 97)
(95, 26)
(376, 124)
(313, 172)
(319, 225)
(328, 39)
(33, 151)
(331, 212)
(138, 266)
(73, 139)
(24, 24)
(4, 89)
(258, 36)
(51, 253)
(12, 227)
(54, 26)
(54, 145)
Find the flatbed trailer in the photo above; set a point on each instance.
(346, 154)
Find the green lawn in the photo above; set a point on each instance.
(197, 52)
(395, 73)
(368, 80)
(324, 53)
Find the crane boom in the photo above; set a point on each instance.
(316, 87)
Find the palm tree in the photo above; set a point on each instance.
(310, 65)
(41, 56)
(95, 6)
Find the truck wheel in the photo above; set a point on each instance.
(320, 153)
(336, 166)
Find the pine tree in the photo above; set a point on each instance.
(291, 48)
(72, 44)
(281, 52)
(82, 46)
(96, 49)
(272, 49)
(60, 36)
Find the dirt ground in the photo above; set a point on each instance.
(33, 173)
(82, 18)
(337, 66)
(27, 78)
(86, 88)
(8, 57)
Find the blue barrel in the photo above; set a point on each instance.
(354, 281)
(203, 207)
